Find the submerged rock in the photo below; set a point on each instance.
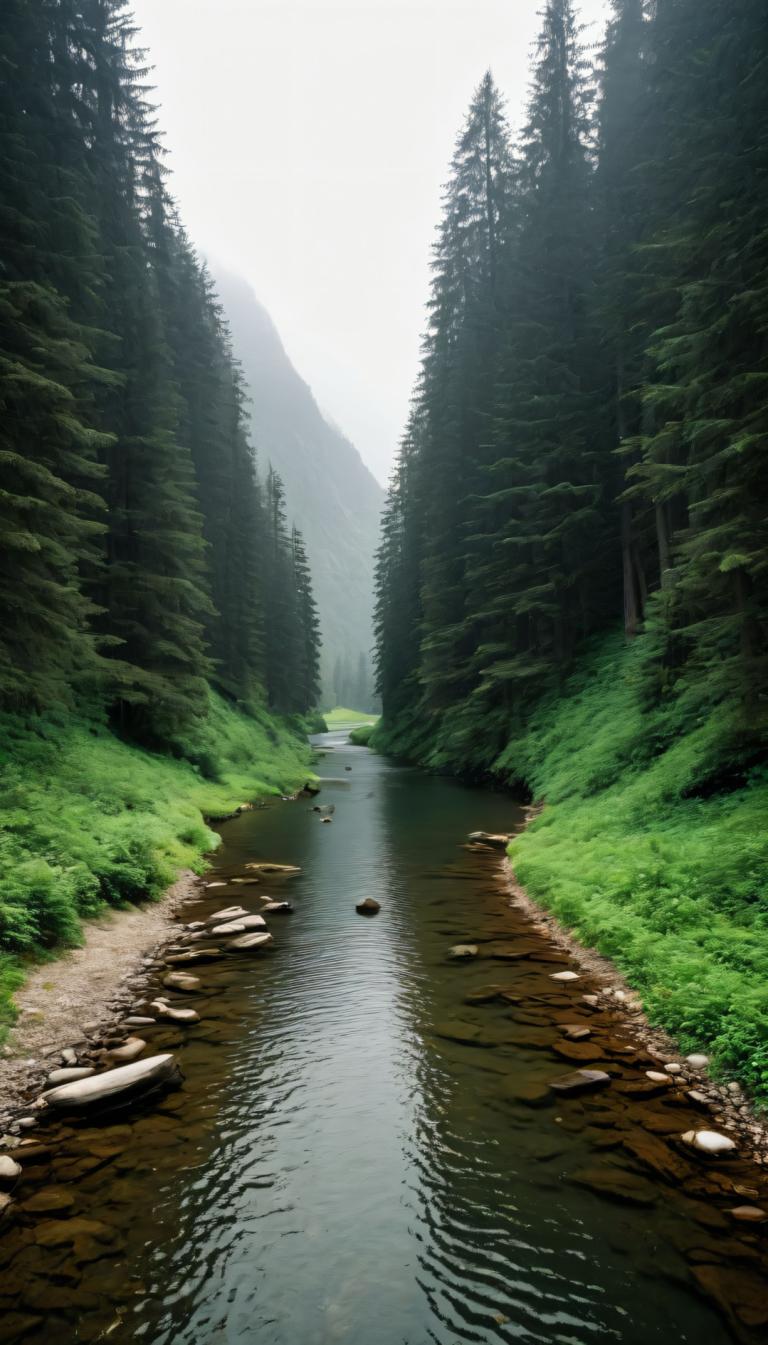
(580, 1081)
(138, 1020)
(749, 1214)
(280, 870)
(277, 908)
(575, 1031)
(616, 1184)
(192, 956)
(232, 927)
(115, 1086)
(462, 951)
(564, 976)
(368, 907)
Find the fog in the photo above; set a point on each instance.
(308, 143)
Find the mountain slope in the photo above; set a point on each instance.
(332, 496)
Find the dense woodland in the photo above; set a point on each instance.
(587, 442)
(142, 561)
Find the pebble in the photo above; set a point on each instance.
(673, 1068)
(563, 976)
(749, 1214)
(68, 1056)
(709, 1141)
(10, 1170)
(697, 1061)
(68, 1075)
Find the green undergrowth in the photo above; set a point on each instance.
(652, 847)
(88, 820)
(361, 736)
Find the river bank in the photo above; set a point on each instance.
(89, 821)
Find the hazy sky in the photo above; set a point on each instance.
(309, 140)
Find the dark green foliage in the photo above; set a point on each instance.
(589, 430)
(135, 542)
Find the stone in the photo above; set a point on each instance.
(487, 994)
(580, 1081)
(368, 906)
(114, 1086)
(281, 870)
(709, 1142)
(673, 1068)
(250, 943)
(698, 1099)
(277, 908)
(245, 882)
(749, 1214)
(181, 980)
(138, 1020)
(192, 956)
(591, 1001)
(10, 1171)
(209, 886)
(6, 1204)
(64, 1232)
(129, 1051)
(586, 1051)
(529, 1093)
(169, 1015)
(697, 1061)
(656, 1076)
(58, 1076)
(49, 1200)
(466, 1034)
(741, 1297)
(564, 976)
(658, 1157)
(495, 840)
(68, 1056)
(462, 951)
(575, 1031)
(249, 922)
(233, 927)
(326, 820)
(227, 915)
(616, 1184)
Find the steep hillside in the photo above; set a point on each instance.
(332, 496)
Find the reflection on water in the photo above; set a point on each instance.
(352, 1157)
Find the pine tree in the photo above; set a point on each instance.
(306, 687)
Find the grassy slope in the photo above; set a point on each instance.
(87, 819)
(342, 718)
(646, 855)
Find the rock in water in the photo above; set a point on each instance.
(580, 1081)
(461, 951)
(280, 870)
(194, 955)
(232, 927)
(10, 1171)
(564, 976)
(709, 1142)
(368, 907)
(277, 908)
(115, 1086)
(65, 1075)
(132, 1048)
(749, 1214)
(251, 943)
(227, 915)
(495, 840)
(171, 1015)
(183, 981)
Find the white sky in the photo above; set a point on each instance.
(309, 140)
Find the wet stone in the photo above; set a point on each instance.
(575, 1031)
(615, 1183)
(580, 1081)
(578, 1050)
(466, 1034)
(49, 1200)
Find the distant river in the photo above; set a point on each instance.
(354, 1156)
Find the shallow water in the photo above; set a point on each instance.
(338, 1167)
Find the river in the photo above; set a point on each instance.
(353, 1156)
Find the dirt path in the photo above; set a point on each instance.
(83, 988)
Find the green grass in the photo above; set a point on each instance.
(652, 847)
(88, 820)
(342, 718)
(361, 736)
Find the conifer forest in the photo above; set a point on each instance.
(383, 871)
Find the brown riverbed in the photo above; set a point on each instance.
(366, 1146)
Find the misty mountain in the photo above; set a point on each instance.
(331, 494)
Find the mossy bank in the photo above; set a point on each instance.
(652, 847)
(89, 820)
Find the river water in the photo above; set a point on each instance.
(353, 1156)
